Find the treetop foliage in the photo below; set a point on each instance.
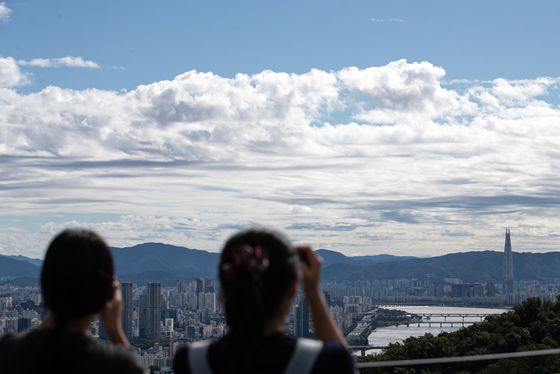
(532, 325)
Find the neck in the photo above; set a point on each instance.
(274, 326)
(82, 325)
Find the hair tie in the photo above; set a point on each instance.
(249, 259)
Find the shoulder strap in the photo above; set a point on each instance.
(304, 356)
(198, 357)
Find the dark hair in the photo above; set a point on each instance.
(77, 275)
(257, 268)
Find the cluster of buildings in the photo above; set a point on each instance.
(20, 308)
(449, 291)
(157, 319)
(452, 291)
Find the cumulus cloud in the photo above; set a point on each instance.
(500, 92)
(67, 61)
(5, 12)
(381, 159)
(10, 74)
(202, 116)
(402, 92)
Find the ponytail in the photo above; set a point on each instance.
(257, 268)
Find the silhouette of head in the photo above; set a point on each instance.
(258, 268)
(77, 275)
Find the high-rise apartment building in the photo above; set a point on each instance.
(207, 300)
(126, 289)
(199, 285)
(508, 265)
(302, 318)
(153, 310)
(143, 316)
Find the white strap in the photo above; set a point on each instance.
(198, 357)
(304, 356)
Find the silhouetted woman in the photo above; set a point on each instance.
(258, 273)
(78, 283)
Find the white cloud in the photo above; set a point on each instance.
(521, 90)
(402, 91)
(299, 209)
(5, 12)
(67, 61)
(345, 159)
(387, 20)
(10, 74)
(500, 94)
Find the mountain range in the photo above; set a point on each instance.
(484, 266)
(168, 263)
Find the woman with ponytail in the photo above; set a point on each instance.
(259, 271)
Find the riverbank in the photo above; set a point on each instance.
(374, 319)
(383, 336)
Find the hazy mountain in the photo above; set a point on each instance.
(470, 266)
(141, 263)
(11, 268)
(332, 257)
(167, 263)
(34, 261)
(151, 260)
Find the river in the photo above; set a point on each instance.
(393, 334)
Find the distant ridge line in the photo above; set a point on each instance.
(172, 262)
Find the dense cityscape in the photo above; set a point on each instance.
(157, 319)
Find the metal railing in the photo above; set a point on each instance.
(364, 348)
(449, 360)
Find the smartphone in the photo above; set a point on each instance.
(303, 258)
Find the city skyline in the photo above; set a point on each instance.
(367, 129)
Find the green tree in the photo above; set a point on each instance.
(532, 325)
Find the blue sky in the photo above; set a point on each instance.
(403, 127)
(138, 42)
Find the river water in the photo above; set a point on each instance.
(393, 334)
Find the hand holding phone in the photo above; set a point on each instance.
(310, 267)
(303, 257)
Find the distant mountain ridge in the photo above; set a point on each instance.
(141, 262)
(16, 268)
(168, 263)
(484, 266)
(34, 261)
(333, 257)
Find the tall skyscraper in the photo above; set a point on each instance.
(199, 285)
(126, 289)
(143, 316)
(153, 310)
(508, 265)
(302, 319)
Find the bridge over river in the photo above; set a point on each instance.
(446, 319)
(441, 320)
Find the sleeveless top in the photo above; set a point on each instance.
(275, 354)
(302, 360)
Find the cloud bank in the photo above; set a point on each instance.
(381, 159)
